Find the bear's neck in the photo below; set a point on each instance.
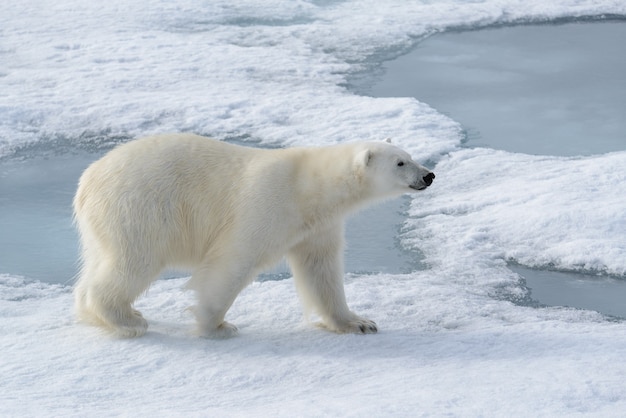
(330, 185)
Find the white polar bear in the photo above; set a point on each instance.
(227, 212)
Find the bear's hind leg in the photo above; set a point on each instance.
(216, 290)
(104, 296)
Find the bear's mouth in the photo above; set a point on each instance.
(418, 188)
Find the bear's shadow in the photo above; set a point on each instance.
(300, 340)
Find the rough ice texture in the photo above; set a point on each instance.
(555, 212)
(441, 350)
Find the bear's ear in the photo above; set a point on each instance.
(387, 140)
(363, 158)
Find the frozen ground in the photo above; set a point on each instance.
(441, 351)
(456, 338)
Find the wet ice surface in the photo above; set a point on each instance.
(38, 240)
(538, 89)
(585, 291)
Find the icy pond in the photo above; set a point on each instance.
(537, 89)
(555, 89)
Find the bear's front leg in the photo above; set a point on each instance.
(317, 267)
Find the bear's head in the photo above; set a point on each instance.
(390, 171)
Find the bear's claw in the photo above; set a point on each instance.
(369, 328)
(356, 325)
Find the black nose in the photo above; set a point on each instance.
(428, 178)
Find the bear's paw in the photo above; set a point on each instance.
(131, 326)
(353, 325)
(224, 330)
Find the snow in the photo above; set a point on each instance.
(540, 211)
(455, 339)
(494, 359)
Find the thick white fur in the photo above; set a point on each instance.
(226, 212)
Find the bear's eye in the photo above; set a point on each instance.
(400, 163)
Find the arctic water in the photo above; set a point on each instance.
(550, 89)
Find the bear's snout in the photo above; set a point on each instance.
(428, 179)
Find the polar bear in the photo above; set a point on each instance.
(226, 212)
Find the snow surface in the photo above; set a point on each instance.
(454, 339)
